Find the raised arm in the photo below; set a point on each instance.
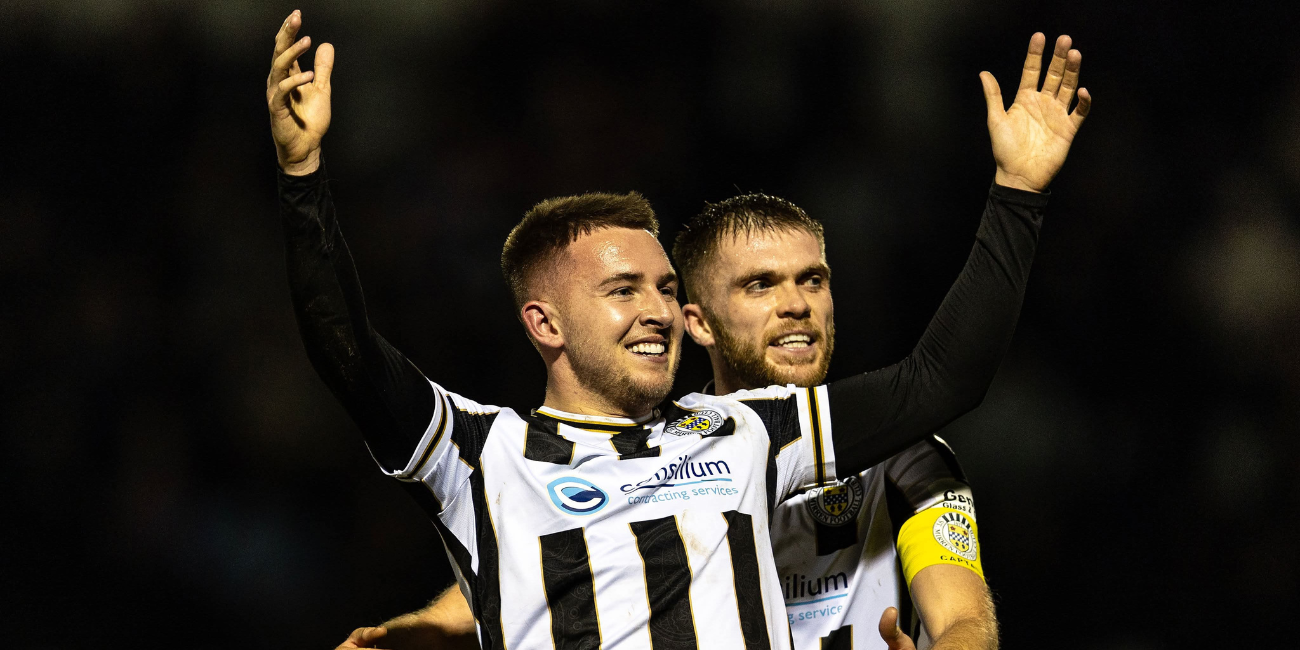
(385, 394)
(947, 374)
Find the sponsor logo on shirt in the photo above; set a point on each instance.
(837, 504)
(955, 532)
(701, 422)
(683, 470)
(576, 496)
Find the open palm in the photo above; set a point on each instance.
(299, 102)
(1032, 138)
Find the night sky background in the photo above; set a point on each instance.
(176, 476)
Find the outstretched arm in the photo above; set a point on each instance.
(445, 624)
(384, 393)
(950, 369)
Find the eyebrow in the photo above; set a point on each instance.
(765, 272)
(635, 277)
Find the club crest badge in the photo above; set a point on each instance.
(838, 504)
(698, 423)
(955, 532)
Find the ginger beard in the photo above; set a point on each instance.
(747, 359)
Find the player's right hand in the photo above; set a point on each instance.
(891, 633)
(299, 101)
(363, 637)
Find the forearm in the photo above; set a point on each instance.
(970, 633)
(445, 624)
(951, 367)
(384, 393)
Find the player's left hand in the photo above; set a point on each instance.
(891, 633)
(1032, 138)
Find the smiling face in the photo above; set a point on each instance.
(615, 300)
(765, 310)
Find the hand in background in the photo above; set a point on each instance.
(1032, 138)
(891, 633)
(299, 101)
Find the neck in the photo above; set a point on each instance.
(566, 393)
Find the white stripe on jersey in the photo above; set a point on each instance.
(621, 533)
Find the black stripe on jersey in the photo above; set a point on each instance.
(543, 444)
(570, 591)
(487, 597)
(631, 444)
(819, 453)
(459, 554)
(469, 431)
(744, 570)
(841, 639)
(668, 583)
(437, 436)
(899, 512)
(782, 424)
(834, 538)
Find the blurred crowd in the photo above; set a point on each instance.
(177, 476)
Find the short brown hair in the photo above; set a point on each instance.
(553, 224)
(745, 214)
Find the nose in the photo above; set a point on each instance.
(791, 302)
(656, 312)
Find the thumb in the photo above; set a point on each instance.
(364, 637)
(890, 632)
(992, 96)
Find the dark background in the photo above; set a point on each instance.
(176, 476)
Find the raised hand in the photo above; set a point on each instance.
(1031, 140)
(893, 636)
(299, 101)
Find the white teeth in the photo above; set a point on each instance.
(648, 348)
(794, 341)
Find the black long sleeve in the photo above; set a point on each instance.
(386, 395)
(880, 413)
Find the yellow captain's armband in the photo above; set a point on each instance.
(939, 535)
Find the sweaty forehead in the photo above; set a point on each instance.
(612, 251)
(789, 250)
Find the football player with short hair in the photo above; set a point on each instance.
(597, 520)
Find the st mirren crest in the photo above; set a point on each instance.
(955, 532)
(701, 422)
(838, 504)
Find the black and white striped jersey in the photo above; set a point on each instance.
(837, 546)
(584, 532)
(615, 533)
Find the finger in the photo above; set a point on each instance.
(283, 63)
(1033, 62)
(1071, 79)
(282, 89)
(324, 65)
(364, 637)
(992, 96)
(890, 632)
(1081, 111)
(1056, 70)
(288, 31)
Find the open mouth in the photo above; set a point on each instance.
(793, 341)
(653, 350)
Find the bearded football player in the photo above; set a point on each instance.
(597, 520)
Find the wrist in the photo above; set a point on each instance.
(302, 167)
(1007, 179)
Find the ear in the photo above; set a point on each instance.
(539, 320)
(697, 325)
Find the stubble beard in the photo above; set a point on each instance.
(748, 364)
(603, 375)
